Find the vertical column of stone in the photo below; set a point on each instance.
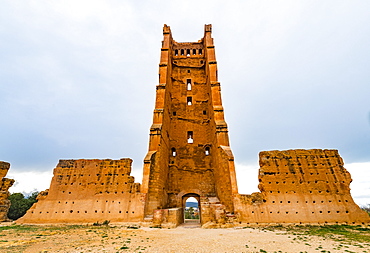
(221, 126)
(156, 162)
(5, 184)
(226, 184)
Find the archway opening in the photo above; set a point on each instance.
(191, 208)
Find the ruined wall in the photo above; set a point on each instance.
(89, 191)
(5, 184)
(301, 186)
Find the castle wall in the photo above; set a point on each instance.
(301, 186)
(5, 184)
(89, 191)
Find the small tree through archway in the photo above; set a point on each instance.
(191, 209)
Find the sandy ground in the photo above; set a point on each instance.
(186, 238)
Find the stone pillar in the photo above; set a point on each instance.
(5, 184)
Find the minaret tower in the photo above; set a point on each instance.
(189, 153)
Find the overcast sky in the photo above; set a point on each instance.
(78, 79)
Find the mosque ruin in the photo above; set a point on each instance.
(190, 156)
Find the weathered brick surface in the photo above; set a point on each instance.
(188, 105)
(5, 184)
(301, 186)
(89, 191)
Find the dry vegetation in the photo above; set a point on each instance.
(119, 238)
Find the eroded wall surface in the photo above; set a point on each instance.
(189, 149)
(301, 186)
(89, 191)
(5, 184)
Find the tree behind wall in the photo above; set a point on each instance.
(20, 204)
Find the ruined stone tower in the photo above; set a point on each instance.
(189, 156)
(189, 152)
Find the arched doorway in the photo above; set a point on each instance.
(191, 207)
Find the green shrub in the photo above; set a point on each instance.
(19, 204)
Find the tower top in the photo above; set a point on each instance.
(208, 28)
(166, 29)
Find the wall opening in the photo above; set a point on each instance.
(190, 137)
(189, 100)
(207, 151)
(188, 82)
(191, 207)
(173, 152)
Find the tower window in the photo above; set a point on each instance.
(207, 151)
(173, 152)
(200, 51)
(176, 52)
(188, 52)
(190, 137)
(188, 81)
(189, 100)
(174, 113)
(182, 51)
(194, 51)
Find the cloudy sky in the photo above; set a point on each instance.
(78, 80)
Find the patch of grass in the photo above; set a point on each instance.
(345, 233)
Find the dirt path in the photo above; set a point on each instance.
(182, 239)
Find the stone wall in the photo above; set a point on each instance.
(86, 191)
(5, 184)
(189, 149)
(301, 186)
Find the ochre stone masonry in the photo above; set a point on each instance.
(189, 155)
(301, 186)
(89, 191)
(5, 184)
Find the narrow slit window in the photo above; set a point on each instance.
(190, 137)
(188, 82)
(176, 52)
(189, 100)
(173, 152)
(188, 52)
(207, 151)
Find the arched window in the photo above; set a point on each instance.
(173, 152)
(182, 51)
(207, 151)
(176, 52)
(200, 51)
(189, 100)
(190, 137)
(194, 51)
(188, 52)
(188, 82)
